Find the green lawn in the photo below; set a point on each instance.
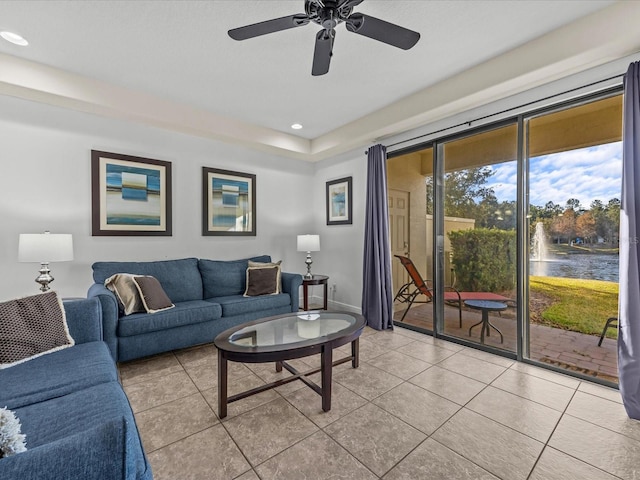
(577, 305)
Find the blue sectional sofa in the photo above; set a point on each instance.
(77, 420)
(208, 298)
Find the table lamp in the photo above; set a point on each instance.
(44, 248)
(308, 243)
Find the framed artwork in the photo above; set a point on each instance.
(130, 195)
(339, 197)
(228, 202)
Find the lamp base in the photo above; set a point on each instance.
(308, 261)
(45, 278)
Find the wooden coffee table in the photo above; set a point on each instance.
(285, 337)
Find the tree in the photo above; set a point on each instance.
(573, 204)
(564, 225)
(586, 226)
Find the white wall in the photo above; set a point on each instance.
(45, 184)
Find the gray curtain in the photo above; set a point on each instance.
(377, 299)
(629, 300)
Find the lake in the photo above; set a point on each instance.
(587, 266)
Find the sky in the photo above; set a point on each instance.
(586, 174)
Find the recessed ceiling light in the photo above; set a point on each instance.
(14, 38)
(296, 126)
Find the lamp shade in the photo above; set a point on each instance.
(45, 247)
(308, 243)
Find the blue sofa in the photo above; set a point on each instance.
(208, 298)
(77, 420)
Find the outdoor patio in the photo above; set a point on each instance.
(561, 348)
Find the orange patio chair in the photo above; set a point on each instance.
(418, 286)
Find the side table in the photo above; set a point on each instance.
(314, 280)
(486, 306)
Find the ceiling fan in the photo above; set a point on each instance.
(329, 14)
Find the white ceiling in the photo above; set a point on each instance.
(194, 78)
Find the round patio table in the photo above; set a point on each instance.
(486, 306)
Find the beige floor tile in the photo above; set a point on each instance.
(400, 365)
(454, 347)
(605, 413)
(600, 391)
(250, 475)
(309, 403)
(170, 422)
(545, 374)
(411, 333)
(239, 385)
(268, 429)
(610, 451)
(376, 438)
(525, 416)
(494, 447)
(389, 339)
(148, 368)
(419, 408)
(317, 457)
(555, 465)
(533, 388)
(159, 390)
(367, 381)
(368, 350)
(267, 372)
(210, 455)
(199, 354)
(479, 370)
(447, 384)
(433, 461)
(488, 357)
(426, 352)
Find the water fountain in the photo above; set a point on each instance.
(539, 250)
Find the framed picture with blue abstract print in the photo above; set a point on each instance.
(228, 202)
(130, 195)
(339, 198)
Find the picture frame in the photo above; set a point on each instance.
(340, 201)
(130, 196)
(228, 203)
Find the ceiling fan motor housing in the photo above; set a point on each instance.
(327, 13)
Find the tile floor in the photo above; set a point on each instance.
(417, 408)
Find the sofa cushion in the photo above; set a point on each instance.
(222, 278)
(81, 417)
(180, 279)
(184, 313)
(153, 296)
(239, 305)
(57, 374)
(32, 326)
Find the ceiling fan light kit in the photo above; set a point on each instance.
(328, 14)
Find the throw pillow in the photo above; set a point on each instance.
(126, 291)
(152, 294)
(32, 326)
(263, 279)
(277, 264)
(11, 440)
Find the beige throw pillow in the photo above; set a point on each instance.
(32, 326)
(126, 291)
(152, 294)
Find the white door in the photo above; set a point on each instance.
(399, 227)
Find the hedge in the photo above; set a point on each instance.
(484, 259)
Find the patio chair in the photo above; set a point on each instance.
(418, 286)
(611, 322)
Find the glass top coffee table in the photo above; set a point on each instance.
(285, 337)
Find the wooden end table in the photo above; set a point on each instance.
(314, 280)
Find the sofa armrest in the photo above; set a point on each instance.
(96, 453)
(110, 315)
(291, 284)
(84, 318)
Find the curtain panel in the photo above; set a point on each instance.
(377, 299)
(629, 298)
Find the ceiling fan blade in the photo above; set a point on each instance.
(349, 3)
(269, 26)
(323, 52)
(382, 31)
